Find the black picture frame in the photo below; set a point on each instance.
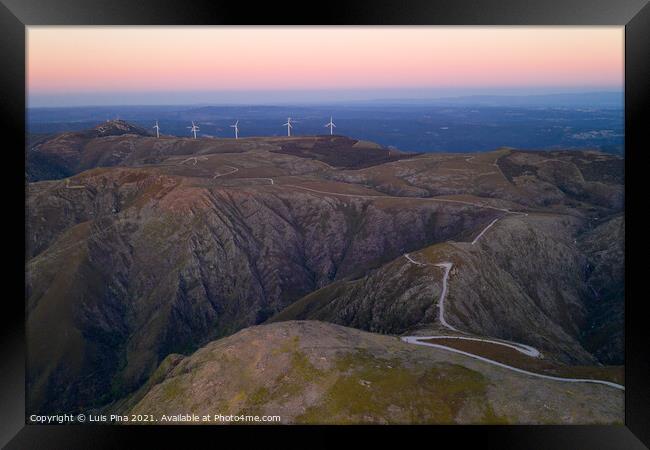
(15, 15)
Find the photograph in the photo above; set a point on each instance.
(325, 225)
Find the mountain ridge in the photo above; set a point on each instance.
(172, 247)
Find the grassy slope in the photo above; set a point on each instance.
(313, 372)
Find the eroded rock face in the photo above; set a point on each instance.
(523, 283)
(546, 177)
(166, 244)
(148, 265)
(605, 250)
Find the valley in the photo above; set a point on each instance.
(171, 273)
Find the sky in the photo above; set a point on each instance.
(73, 66)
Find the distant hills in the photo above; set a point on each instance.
(142, 249)
(613, 100)
(453, 124)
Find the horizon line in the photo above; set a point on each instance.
(38, 103)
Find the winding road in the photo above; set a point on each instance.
(447, 266)
(234, 169)
(443, 295)
(417, 341)
(195, 158)
(407, 256)
(522, 348)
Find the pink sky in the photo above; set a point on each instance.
(105, 59)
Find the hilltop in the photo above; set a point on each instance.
(118, 143)
(314, 373)
(159, 246)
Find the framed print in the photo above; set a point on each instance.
(355, 221)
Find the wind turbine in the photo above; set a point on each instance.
(236, 127)
(289, 126)
(331, 126)
(194, 129)
(157, 129)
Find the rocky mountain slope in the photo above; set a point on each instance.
(499, 287)
(143, 264)
(605, 250)
(159, 246)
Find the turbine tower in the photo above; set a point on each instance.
(236, 127)
(157, 129)
(289, 126)
(194, 129)
(331, 126)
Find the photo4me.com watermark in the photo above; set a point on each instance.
(152, 418)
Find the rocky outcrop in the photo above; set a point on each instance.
(523, 281)
(141, 265)
(605, 249)
(163, 245)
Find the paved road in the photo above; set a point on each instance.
(407, 256)
(217, 175)
(417, 341)
(234, 169)
(523, 348)
(195, 158)
(443, 296)
(526, 349)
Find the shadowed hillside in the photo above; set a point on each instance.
(153, 247)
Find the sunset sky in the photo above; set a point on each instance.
(154, 65)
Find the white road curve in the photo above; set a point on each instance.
(195, 158)
(407, 256)
(443, 295)
(217, 175)
(521, 348)
(417, 341)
